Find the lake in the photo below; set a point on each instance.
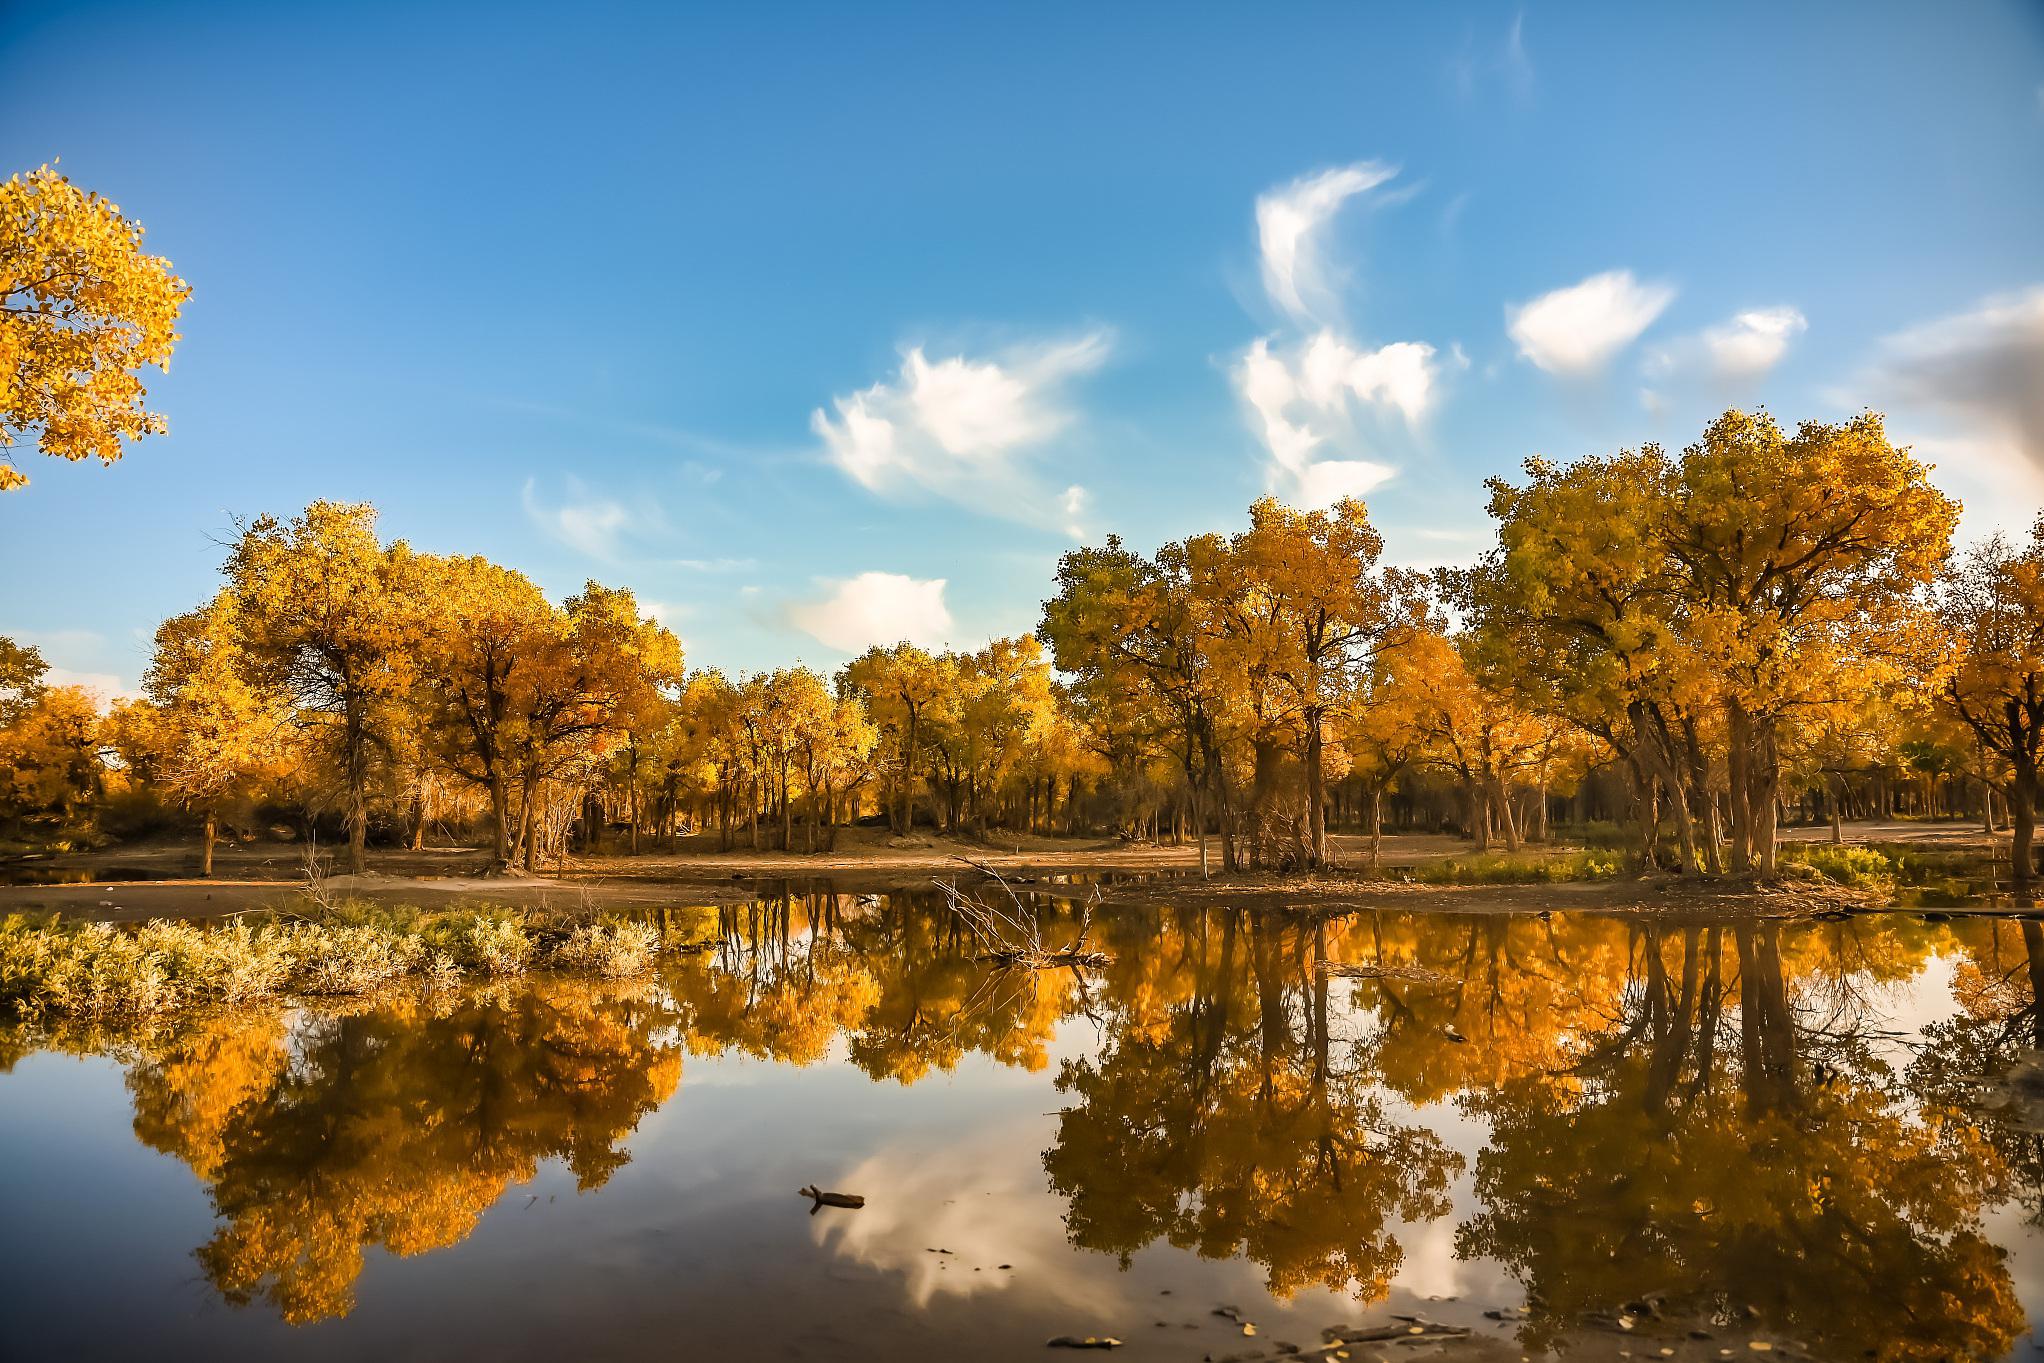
(1587, 1135)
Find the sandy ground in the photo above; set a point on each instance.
(159, 879)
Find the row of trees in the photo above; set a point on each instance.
(1695, 641)
(1765, 607)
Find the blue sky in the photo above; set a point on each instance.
(820, 324)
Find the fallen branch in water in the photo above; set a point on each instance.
(1011, 934)
(822, 1199)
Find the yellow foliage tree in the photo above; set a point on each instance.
(82, 308)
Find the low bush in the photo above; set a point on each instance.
(92, 970)
(1862, 867)
(1497, 868)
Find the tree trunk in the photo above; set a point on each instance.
(212, 831)
(2023, 823)
(1376, 827)
(632, 771)
(1739, 760)
(1316, 790)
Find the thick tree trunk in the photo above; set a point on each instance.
(2023, 824)
(210, 835)
(1316, 790)
(1739, 760)
(1506, 815)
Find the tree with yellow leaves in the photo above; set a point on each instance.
(1992, 609)
(205, 730)
(1310, 584)
(50, 764)
(1802, 560)
(22, 670)
(325, 612)
(905, 691)
(82, 308)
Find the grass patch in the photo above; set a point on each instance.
(61, 967)
(1500, 868)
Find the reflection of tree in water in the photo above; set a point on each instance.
(396, 1126)
(1699, 1114)
(1989, 1056)
(1217, 1121)
(1738, 1151)
(898, 979)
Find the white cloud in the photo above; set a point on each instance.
(1744, 347)
(1290, 225)
(1753, 342)
(1311, 403)
(589, 524)
(959, 427)
(875, 608)
(1072, 503)
(104, 687)
(1318, 396)
(1576, 330)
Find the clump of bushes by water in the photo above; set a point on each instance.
(68, 968)
(1495, 868)
(1860, 867)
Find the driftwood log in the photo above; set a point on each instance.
(820, 1199)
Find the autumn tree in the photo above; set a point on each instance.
(1803, 558)
(82, 308)
(206, 729)
(22, 670)
(324, 611)
(1992, 610)
(1757, 577)
(904, 689)
(489, 631)
(1310, 584)
(605, 664)
(50, 757)
(1129, 629)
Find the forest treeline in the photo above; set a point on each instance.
(1768, 622)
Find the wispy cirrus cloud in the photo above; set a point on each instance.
(1318, 397)
(1753, 342)
(875, 608)
(964, 428)
(1576, 331)
(1504, 60)
(584, 521)
(1291, 226)
(1738, 350)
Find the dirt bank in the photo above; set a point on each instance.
(158, 879)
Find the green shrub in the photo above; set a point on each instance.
(1497, 868)
(1862, 867)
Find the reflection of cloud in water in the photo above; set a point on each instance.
(972, 1200)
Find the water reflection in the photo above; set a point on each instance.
(1794, 1132)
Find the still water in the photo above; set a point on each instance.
(1619, 1137)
